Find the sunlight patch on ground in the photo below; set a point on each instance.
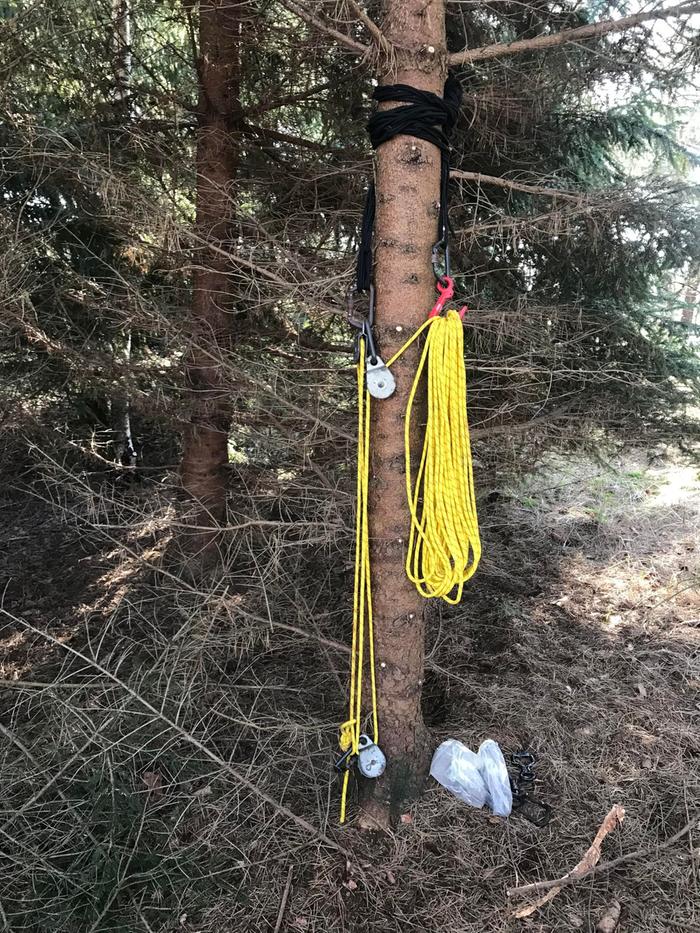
(678, 485)
(629, 528)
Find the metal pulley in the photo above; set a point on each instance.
(371, 760)
(378, 379)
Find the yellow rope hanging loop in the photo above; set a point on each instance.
(362, 621)
(444, 547)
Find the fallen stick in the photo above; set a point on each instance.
(585, 866)
(604, 867)
(283, 902)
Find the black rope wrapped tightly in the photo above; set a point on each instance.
(424, 116)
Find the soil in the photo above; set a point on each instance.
(578, 640)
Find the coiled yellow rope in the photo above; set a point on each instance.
(444, 547)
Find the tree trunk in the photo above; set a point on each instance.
(205, 441)
(123, 447)
(692, 296)
(408, 186)
(121, 25)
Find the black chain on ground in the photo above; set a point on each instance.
(522, 784)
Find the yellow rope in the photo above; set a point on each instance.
(362, 621)
(444, 546)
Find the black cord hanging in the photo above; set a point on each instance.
(426, 116)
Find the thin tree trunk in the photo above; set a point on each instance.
(205, 442)
(692, 296)
(124, 449)
(408, 185)
(121, 25)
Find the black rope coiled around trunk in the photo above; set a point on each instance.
(425, 116)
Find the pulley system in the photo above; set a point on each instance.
(443, 548)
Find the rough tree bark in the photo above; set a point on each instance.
(205, 441)
(408, 186)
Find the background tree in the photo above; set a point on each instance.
(125, 448)
(205, 441)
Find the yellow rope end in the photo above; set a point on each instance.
(343, 796)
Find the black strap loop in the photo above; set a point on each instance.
(425, 116)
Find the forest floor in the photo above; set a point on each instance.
(125, 736)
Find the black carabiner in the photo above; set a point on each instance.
(345, 762)
(441, 268)
(363, 325)
(370, 311)
(522, 784)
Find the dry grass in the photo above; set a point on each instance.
(145, 785)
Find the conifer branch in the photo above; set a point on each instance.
(578, 33)
(513, 185)
(299, 10)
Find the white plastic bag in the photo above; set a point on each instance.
(477, 779)
(456, 767)
(495, 774)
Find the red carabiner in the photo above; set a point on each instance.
(446, 292)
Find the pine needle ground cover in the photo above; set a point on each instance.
(579, 639)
